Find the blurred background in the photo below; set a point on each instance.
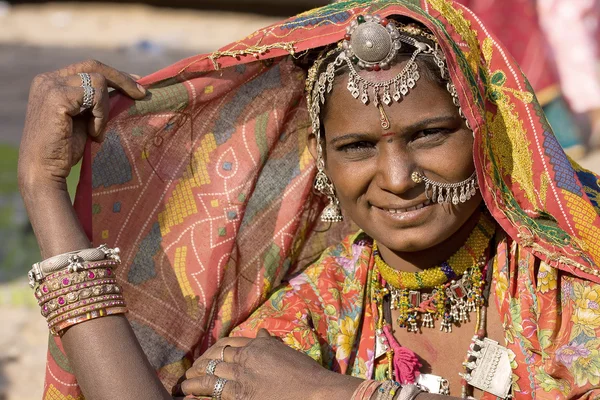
(556, 42)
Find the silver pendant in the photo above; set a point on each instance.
(381, 344)
(490, 368)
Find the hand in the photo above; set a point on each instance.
(56, 131)
(594, 118)
(264, 368)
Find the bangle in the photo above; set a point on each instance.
(409, 392)
(63, 279)
(388, 390)
(81, 303)
(72, 260)
(58, 329)
(66, 292)
(365, 390)
(83, 310)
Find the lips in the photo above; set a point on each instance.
(405, 210)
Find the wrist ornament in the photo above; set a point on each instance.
(72, 261)
(76, 287)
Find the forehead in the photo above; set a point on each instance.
(343, 113)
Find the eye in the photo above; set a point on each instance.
(362, 145)
(431, 133)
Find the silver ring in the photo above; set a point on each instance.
(218, 390)
(223, 352)
(88, 90)
(212, 365)
(86, 79)
(88, 97)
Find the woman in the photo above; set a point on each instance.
(243, 127)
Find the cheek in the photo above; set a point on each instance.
(350, 178)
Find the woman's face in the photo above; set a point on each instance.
(371, 167)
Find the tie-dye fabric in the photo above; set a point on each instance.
(206, 184)
(551, 319)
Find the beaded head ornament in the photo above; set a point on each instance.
(373, 43)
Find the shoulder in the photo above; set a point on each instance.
(347, 260)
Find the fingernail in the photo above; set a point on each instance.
(141, 88)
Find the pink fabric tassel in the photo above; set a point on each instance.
(406, 362)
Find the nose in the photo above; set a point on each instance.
(394, 167)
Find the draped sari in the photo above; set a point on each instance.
(206, 185)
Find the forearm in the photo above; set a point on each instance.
(104, 353)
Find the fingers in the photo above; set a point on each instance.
(263, 333)
(215, 351)
(206, 385)
(114, 78)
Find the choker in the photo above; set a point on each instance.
(466, 257)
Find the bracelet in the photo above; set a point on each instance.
(79, 304)
(365, 390)
(58, 329)
(83, 310)
(63, 293)
(72, 260)
(388, 390)
(53, 307)
(62, 279)
(409, 392)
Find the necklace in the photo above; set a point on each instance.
(486, 365)
(467, 256)
(453, 297)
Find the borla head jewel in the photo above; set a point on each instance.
(372, 43)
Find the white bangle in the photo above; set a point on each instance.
(71, 260)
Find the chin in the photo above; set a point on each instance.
(408, 243)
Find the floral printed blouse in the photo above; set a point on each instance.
(551, 319)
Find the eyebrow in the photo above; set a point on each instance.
(420, 125)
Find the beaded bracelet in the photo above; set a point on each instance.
(388, 390)
(63, 279)
(58, 329)
(366, 389)
(83, 310)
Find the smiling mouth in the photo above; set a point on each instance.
(404, 210)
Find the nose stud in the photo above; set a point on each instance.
(416, 177)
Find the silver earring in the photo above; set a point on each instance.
(454, 193)
(332, 212)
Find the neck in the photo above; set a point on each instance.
(419, 260)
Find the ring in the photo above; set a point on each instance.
(212, 365)
(223, 352)
(218, 390)
(86, 79)
(88, 90)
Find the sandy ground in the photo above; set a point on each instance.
(39, 38)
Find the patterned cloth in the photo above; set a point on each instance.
(206, 184)
(551, 319)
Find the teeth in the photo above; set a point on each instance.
(402, 210)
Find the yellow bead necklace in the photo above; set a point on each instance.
(467, 256)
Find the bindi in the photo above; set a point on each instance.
(390, 136)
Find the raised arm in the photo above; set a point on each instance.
(104, 353)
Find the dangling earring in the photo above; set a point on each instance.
(454, 193)
(332, 212)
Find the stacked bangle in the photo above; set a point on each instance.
(386, 390)
(366, 389)
(81, 291)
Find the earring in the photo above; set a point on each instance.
(460, 192)
(332, 212)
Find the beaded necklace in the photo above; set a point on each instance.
(467, 256)
(450, 300)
